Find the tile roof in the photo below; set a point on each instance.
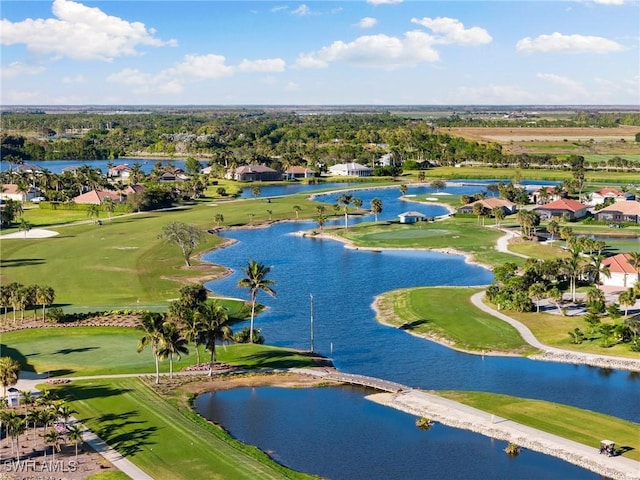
(96, 196)
(563, 204)
(620, 263)
(626, 207)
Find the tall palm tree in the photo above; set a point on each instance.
(172, 343)
(152, 325)
(33, 417)
(9, 373)
(52, 437)
(44, 296)
(109, 206)
(24, 226)
(255, 280)
(627, 299)
(572, 266)
(376, 207)
(75, 434)
(15, 426)
(297, 209)
(213, 322)
(345, 200)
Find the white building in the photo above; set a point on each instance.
(623, 274)
(351, 170)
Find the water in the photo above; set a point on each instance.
(337, 434)
(344, 283)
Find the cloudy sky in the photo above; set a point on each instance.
(356, 52)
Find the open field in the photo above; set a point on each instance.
(519, 134)
(447, 316)
(582, 426)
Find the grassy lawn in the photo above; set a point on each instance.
(123, 262)
(542, 251)
(582, 426)
(463, 234)
(82, 351)
(448, 315)
(166, 441)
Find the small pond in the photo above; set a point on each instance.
(336, 433)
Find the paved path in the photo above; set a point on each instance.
(502, 244)
(557, 354)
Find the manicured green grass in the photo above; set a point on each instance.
(541, 251)
(113, 475)
(166, 441)
(582, 426)
(462, 234)
(83, 351)
(447, 314)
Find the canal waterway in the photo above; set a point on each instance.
(338, 434)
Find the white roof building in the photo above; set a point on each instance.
(351, 170)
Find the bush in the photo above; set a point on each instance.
(243, 336)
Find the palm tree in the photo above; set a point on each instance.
(172, 343)
(627, 299)
(478, 210)
(24, 226)
(595, 268)
(297, 209)
(553, 229)
(572, 266)
(376, 207)
(213, 322)
(152, 325)
(321, 220)
(219, 218)
(403, 189)
(255, 280)
(52, 437)
(33, 417)
(191, 330)
(498, 214)
(65, 412)
(75, 434)
(109, 205)
(44, 296)
(537, 292)
(93, 212)
(15, 426)
(345, 200)
(9, 373)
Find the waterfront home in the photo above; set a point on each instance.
(96, 197)
(622, 273)
(626, 211)
(297, 172)
(350, 170)
(253, 173)
(610, 195)
(10, 191)
(120, 172)
(411, 217)
(564, 208)
(489, 204)
(544, 195)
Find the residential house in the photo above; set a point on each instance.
(622, 273)
(10, 191)
(610, 195)
(489, 204)
(120, 172)
(254, 173)
(564, 208)
(350, 170)
(96, 197)
(411, 217)
(544, 195)
(297, 172)
(625, 211)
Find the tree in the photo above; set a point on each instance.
(537, 292)
(566, 233)
(478, 210)
(297, 209)
(572, 267)
(151, 324)
(109, 206)
(376, 207)
(24, 226)
(172, 343)
(184, 235)
(438, 185)
(52, 437)
(15, 426)
(44, 296)
(93, 212)
(213, 323)
(403, 189)
(553, 228)
(321, 220)
(627, 299)
(9, 373)
(256, 280)
(75, 434)
(556, 297)
(498, 214)
(192, 166)
(345, 200)
(219, 218)
(255, 190)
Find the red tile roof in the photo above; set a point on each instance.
(620, 263)
(563, 204)
(96, 197)
(627, 207)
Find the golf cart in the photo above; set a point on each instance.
(608, 448)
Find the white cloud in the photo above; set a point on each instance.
(367, 22)
(266, 65)
(302, 10)
(279, 8)
(384, 2)
(493, 95)
(558, 42)
(610, 2)
(291, 87)
(374, 51)
(81, 33)
(18, 68)
(450, 30)
(193, 68)
(564, 82)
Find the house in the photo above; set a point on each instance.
(96, 197)
(296, 172)
(411, 217)
(623, 273)
(625, 211)
(611, 195)
(13, 397)
(544, 195)
(133, 188)
(385, 161)
(489, 204)
(121, 172)
(10, 191)
(254, 173)
(562, 208)
(350, 170)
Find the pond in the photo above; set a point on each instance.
(344, 283)
(338, 434)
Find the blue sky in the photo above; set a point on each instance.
(357, 52)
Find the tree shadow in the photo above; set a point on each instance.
(414, 324)
(21, 262)
(71, 392)
(67, 351)
(279, 359)
(6, 351)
